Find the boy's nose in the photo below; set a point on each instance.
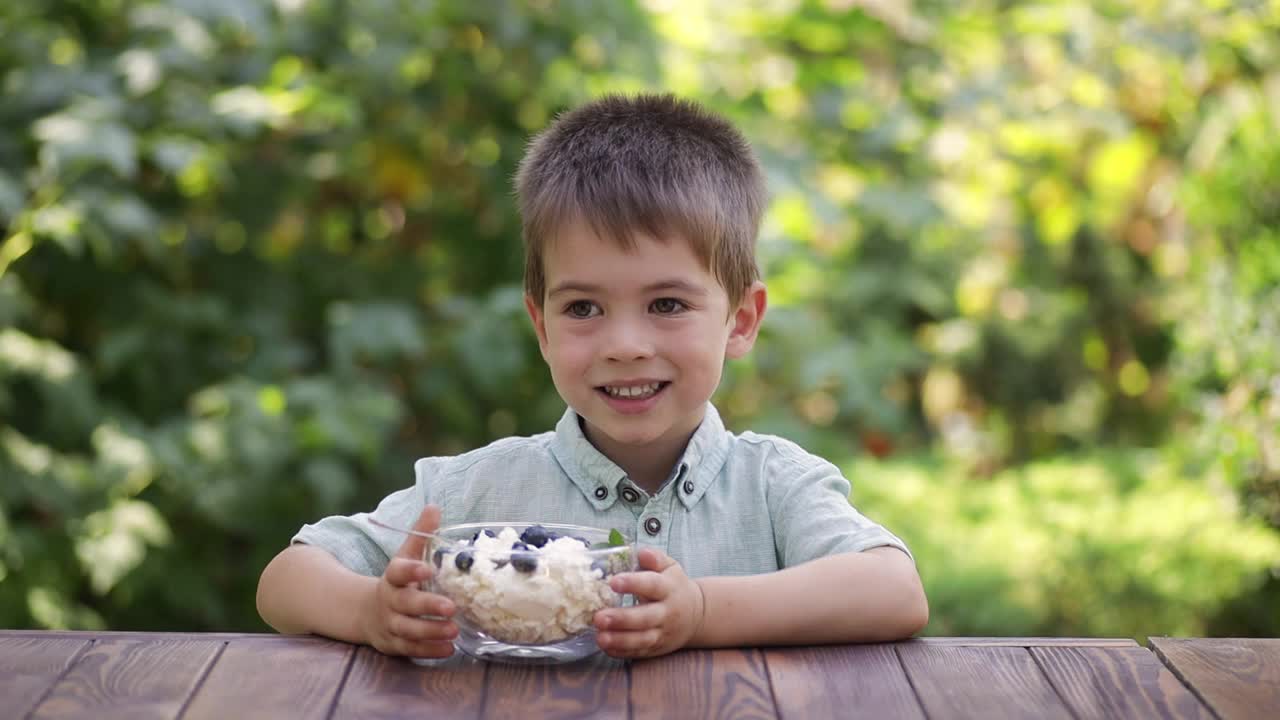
(627, 341)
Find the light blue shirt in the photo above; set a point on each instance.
(734, 504)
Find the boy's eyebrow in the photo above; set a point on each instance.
(682, 286)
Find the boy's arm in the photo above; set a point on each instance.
(868, 596)
(306, 590)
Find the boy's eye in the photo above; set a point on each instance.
(667, 306)
(581, 309)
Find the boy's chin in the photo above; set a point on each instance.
(629, 432)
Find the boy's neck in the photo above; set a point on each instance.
(647, 469)
(647, 466)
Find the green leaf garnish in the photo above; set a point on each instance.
(616, 539)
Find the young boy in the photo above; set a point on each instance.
(640, 219)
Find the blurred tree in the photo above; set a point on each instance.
(258, 255)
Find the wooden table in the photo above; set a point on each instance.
(166, 675)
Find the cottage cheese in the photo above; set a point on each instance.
(554, 601)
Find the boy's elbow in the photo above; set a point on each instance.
(915, 613)
(912, 613)
(914, 606)
(268, 586)
(260, 600)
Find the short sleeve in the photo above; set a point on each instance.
(811, 512)
(358, 544)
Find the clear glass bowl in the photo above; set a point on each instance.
(533, 603)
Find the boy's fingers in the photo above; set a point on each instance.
(655, 560)
(437, 649)
(640, 617)
(629, 644)
(411, 601)
(645, 585)
(417, 630)
(402, 572)
(428, 522)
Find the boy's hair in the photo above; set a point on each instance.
(650, 163)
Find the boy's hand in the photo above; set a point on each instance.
(391, 615)
(668, 616)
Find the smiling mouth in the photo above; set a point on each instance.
(633, 392)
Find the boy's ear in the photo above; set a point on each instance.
(746, 321)
(539, 321)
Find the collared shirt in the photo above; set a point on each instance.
(733, 505)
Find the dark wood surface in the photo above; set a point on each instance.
(195, 675)
(1236, 678)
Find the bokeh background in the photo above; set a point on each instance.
(1024, 265)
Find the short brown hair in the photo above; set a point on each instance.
(650, 163)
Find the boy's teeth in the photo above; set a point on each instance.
(632, 391)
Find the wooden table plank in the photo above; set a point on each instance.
(1026, 642)
(253, 678)
(1117, 683)
(702, 684)
(30, 665)
(848, 681)
(979, 682)
(382, 688)
(593, 688)
(130, 678)
(1237, 677)
(145, 634)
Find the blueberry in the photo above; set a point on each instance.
(464, 561)
(438, 556)
(524, 562)
(601, 565)
(487, 532)
(535, 535)
(520, 546)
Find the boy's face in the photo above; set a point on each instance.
(636, 341)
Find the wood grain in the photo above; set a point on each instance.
(253, 678)
(702, 684)
(847, 681)
(148, 634)
(1117, 683)
(1027, 642)
(382, 687)
(31, 664)
(130, 678)
(594, 688)
(979, 682)
(1237, 677)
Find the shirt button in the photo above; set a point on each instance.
(602, 493)
(688, 487)
(653, 526)
(630, 495)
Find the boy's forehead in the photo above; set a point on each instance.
(577, 243)
(575, 253)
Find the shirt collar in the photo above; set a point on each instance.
(597, 477)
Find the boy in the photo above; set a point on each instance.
(640, 218)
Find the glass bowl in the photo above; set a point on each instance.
(527, 592)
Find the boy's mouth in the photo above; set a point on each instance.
(639, 391)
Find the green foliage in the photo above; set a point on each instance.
(1229, 364)
(257, 256)
(1115, 544)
